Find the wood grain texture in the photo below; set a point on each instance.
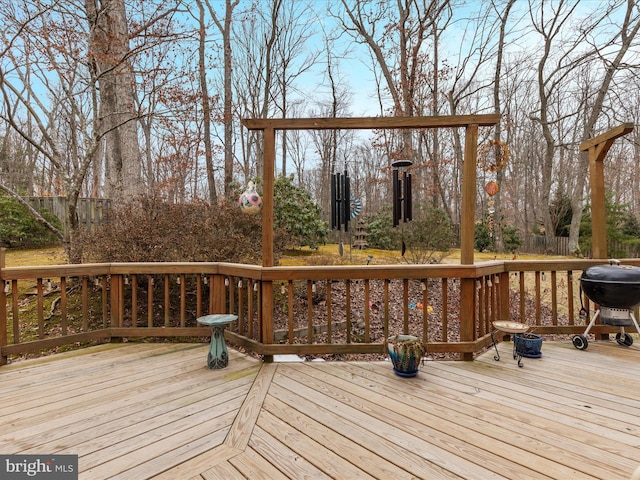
(142, 411)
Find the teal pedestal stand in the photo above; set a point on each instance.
(218, 354)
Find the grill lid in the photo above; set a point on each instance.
(613, 285)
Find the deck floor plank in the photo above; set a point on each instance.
(139, 411)
(252, 465)
(103, 418)
(538, 447)
(406, 434)
(448, 428)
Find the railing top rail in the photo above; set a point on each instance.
(343, 272)
(322, 272)
(560, 264)
(73, 270)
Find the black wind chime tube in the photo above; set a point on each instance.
(346, 210)
(408, 207)
(396, 198)
(334, 208)
(340, 198)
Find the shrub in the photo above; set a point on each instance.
(296, 212)
(382, 235)
(151, 230)
(19, 229)
(482, 239)
(511, 238)
(428, 238)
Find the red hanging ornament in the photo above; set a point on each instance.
(491, 188)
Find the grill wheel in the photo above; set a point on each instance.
(580, 342)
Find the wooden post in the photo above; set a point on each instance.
(468, 219)
(597, 149)
(3, 310)
(266, 287)
(219, 295)
(467, 228)
(598, 208)
(268, 173)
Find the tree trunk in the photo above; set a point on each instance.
(109, 48)
(206, 106)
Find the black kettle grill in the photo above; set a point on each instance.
(615, 289)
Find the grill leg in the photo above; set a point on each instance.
(635, 322)
(496, 357)
(593, 320)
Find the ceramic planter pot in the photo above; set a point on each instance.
(405, 352)
(528, 344)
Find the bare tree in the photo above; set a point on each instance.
(60, 127)
(503, 16)
(294, 31)
(227, 118)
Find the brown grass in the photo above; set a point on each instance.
(42, 256)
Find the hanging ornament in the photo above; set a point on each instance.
(491, 188)
(493, 155)
(356, 205)
(250, 202)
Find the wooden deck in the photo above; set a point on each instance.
(138, 411)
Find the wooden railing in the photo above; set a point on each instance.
(336, 310)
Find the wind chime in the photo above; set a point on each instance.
(402, 205)
(340, 204)
(492, 157)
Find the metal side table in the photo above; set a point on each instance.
(509, 327)
(218, 354)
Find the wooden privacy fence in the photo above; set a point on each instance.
(336, 310)
(91, 211)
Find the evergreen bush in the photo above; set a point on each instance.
(19, 229)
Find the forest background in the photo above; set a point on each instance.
(121, 98)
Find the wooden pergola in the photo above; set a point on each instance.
(467, 221)
(469, 122)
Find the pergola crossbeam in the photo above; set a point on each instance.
(365, 123)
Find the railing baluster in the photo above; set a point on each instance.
(63, 306)
(347, 288)
(405, 306)
(329, 312)
(149, 301)
(40, 301)
(367, 311)
(554, 298)
(445, 308)
(85, 304)
(183, 299)
(250, 307)
(386, 307)
(537, 297)
(15, 310)
(199, 297)
(570, 296)
(309, 311)
(290, 309)
(425, 310)
(134, 300)
(523, 318)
